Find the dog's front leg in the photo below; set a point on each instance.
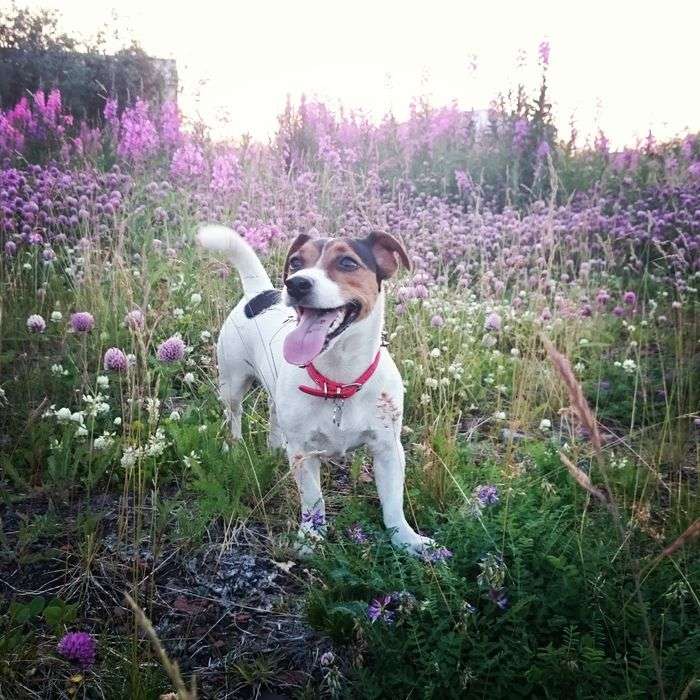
(389, 469)
(307, 474)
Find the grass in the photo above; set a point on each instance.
(568, 586)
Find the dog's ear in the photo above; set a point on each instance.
(296, 244)
(389, 253)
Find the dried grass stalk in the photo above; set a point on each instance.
(583, 480)
(691, 533)
(171, 667)
(576, 398)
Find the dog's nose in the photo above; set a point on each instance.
(298, 287)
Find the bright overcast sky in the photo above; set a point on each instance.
(626, 66)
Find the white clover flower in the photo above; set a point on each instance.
(57, 370)
(545, 424)
(103, 381)
(425, 399)
(81, 431)
(205, 336)
(202, 428)
(500, 415)
(64, 414)
(175, 415)
(435, 352)
(205, 359)
(191, 460)
(195, 299)
(583, 341)
(153, 408)
(178, 313)
(131, 359)
(117, 421)
(445, 381)
(103, 442)
(130, 457)
(56, 316)
(579, 367)
(188, 378)
(431, 383)
(514, 352)
(156, 444)
(629, 366)
(409, 363)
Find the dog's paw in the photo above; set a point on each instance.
(413, 543)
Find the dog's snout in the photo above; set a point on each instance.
(298, 287)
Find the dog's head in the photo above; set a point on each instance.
(333, 283)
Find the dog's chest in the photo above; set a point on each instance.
(333, 428)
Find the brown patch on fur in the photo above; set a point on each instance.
(304, 247)
(359, 284)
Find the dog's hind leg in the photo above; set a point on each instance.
(275, 438)
(232, 390)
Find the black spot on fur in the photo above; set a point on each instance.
(261, 302)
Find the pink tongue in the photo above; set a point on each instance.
(307, 339)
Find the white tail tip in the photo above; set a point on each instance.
(215, 237)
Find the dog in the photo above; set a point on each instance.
(316, 348)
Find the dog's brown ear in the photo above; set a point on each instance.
(296, 244)
(389, 254)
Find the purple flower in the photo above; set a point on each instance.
(357, 534)
(493, 322)
(10, 248)
(630, 298)
(79, 647)
(437, 321)
(618, 311)
(171, 350)
(134, 319)
(82, 322)
(542, 150)
(499, 598)
(115, 360)
(313, 518)
(486, 495)
(436, 554)
(379, 610)
(602, 298)
(543, 51)
(36, 324)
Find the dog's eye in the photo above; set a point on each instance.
(296, 264)
(347, 264)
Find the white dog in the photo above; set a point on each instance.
(316, 349)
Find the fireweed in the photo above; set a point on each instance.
(524, 570)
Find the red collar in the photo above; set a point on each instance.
(328, 389)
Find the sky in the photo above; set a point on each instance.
(625, 67)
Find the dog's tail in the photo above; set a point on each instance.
(253, 275)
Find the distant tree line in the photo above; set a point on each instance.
(34, 55)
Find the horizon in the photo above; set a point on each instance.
(632, 84)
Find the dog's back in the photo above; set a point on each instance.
(249, 347)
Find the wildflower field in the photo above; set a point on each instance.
(548, 339)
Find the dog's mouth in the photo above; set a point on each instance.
(315, 330)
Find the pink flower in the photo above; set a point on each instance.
(36, 324)
(493, 322)
(437, 321)
(171, 350)
(115, 360)
(82, 322)
(78, 647)
(134, 319)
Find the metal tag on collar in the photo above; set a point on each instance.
(338, 412)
